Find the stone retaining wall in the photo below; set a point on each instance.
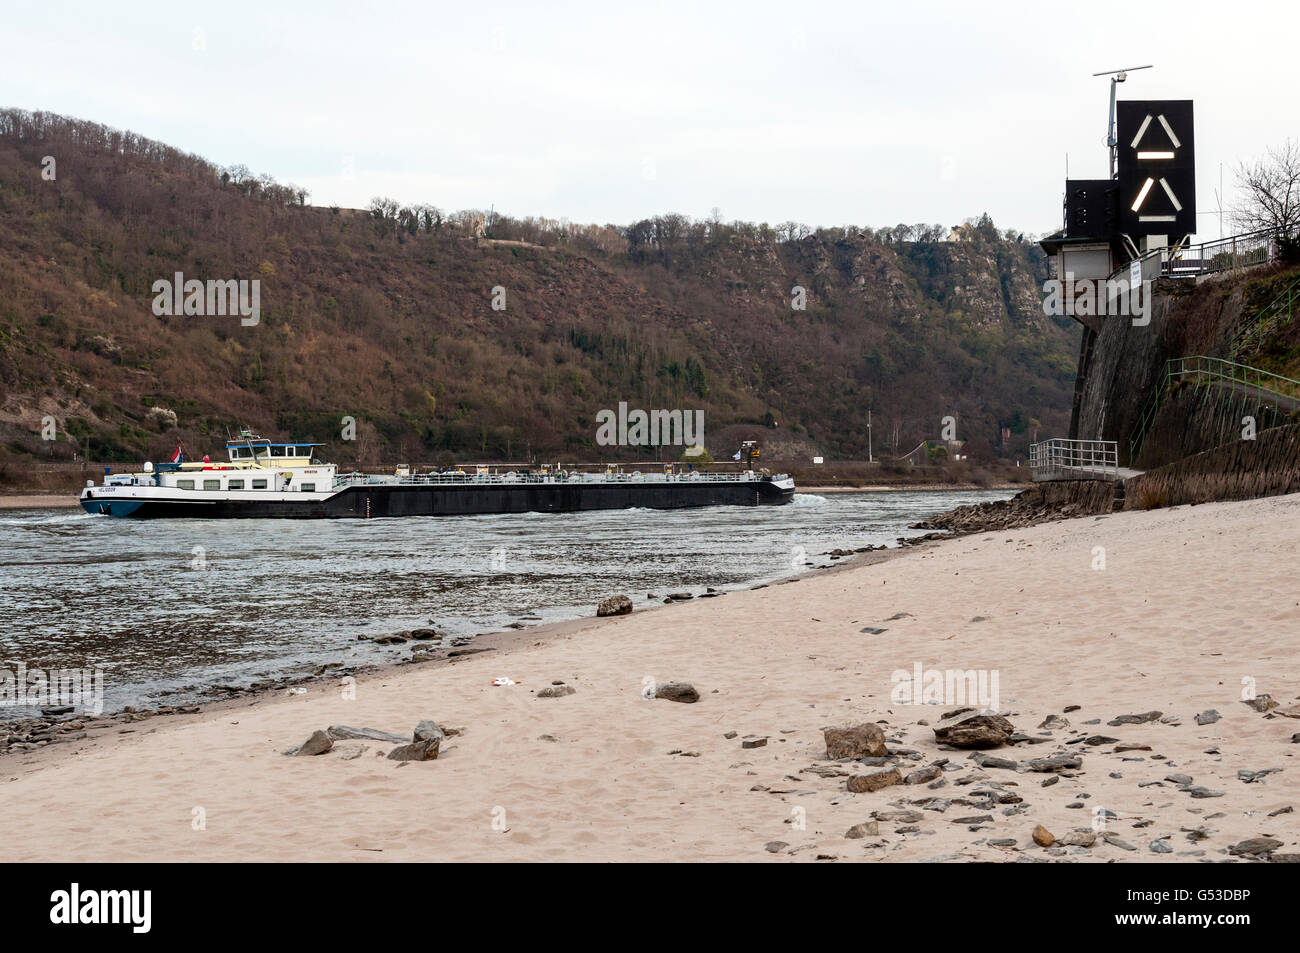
(1269, 465)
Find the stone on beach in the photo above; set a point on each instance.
(924, 775)
(1255, 847)
(1043, 837)
(556, 691)
(1141, 719)
(318, 743)
(428, 731)
(347, 733)
(614, 605)
(1056, 762)
(972, 728)
(865, 829)
(1261, 702)
(859, 741)
(416, 751)
(683, 692)
(873, 780)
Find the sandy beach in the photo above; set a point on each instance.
(1192, 604)
(39, 502)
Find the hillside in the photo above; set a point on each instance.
(387, 316)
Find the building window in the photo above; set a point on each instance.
(211, 484)
(259, 484)
(235, 485)
(184, 484)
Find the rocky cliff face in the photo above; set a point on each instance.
(1121, 364)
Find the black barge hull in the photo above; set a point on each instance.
(379, 500)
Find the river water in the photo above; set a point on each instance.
(171, 608)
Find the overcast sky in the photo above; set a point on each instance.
(823, 113)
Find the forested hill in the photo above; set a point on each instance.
(387, 316)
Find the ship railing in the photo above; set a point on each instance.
(550, 477)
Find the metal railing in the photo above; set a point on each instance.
(516, 478)
(1200, 369)
(1224, 254)
(1060, 459)
(1277, 312)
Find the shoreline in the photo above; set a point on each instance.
(605, 774)
(497, 640)
(39, 501)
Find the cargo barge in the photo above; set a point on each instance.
(269, 480)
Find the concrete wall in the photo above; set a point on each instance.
(1118, 374)
(1120, 365)
(1193, 419)
(1269, 465)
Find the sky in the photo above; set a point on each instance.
(823, 113)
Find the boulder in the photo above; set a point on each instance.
(971, 728)
(1255, 847)
(1043, 837)
(923, 775)
(1056, 762)
(859, 741)
(318, 743)
(1078, 839)
(1142, 719)
(428, 731)
(556, 691)
(874, 780)
(347, 733)
(614, 605)
(416, 751)
(677, 692)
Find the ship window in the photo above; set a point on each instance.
(308, 487)
(184, 484)
(211, 484)
(235, 485)
(277, 451)
(259, 484)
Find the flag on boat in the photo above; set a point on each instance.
(177, 457)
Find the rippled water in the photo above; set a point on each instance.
(171, 607)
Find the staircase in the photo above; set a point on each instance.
(1118, 504)
(1229, 376)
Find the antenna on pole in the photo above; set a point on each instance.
(1117, 76)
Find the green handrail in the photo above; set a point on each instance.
(1210, 369)
(1268, 317)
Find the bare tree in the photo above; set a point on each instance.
(1271, 188)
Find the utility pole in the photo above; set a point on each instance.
(870, 459)
(1117, 76)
